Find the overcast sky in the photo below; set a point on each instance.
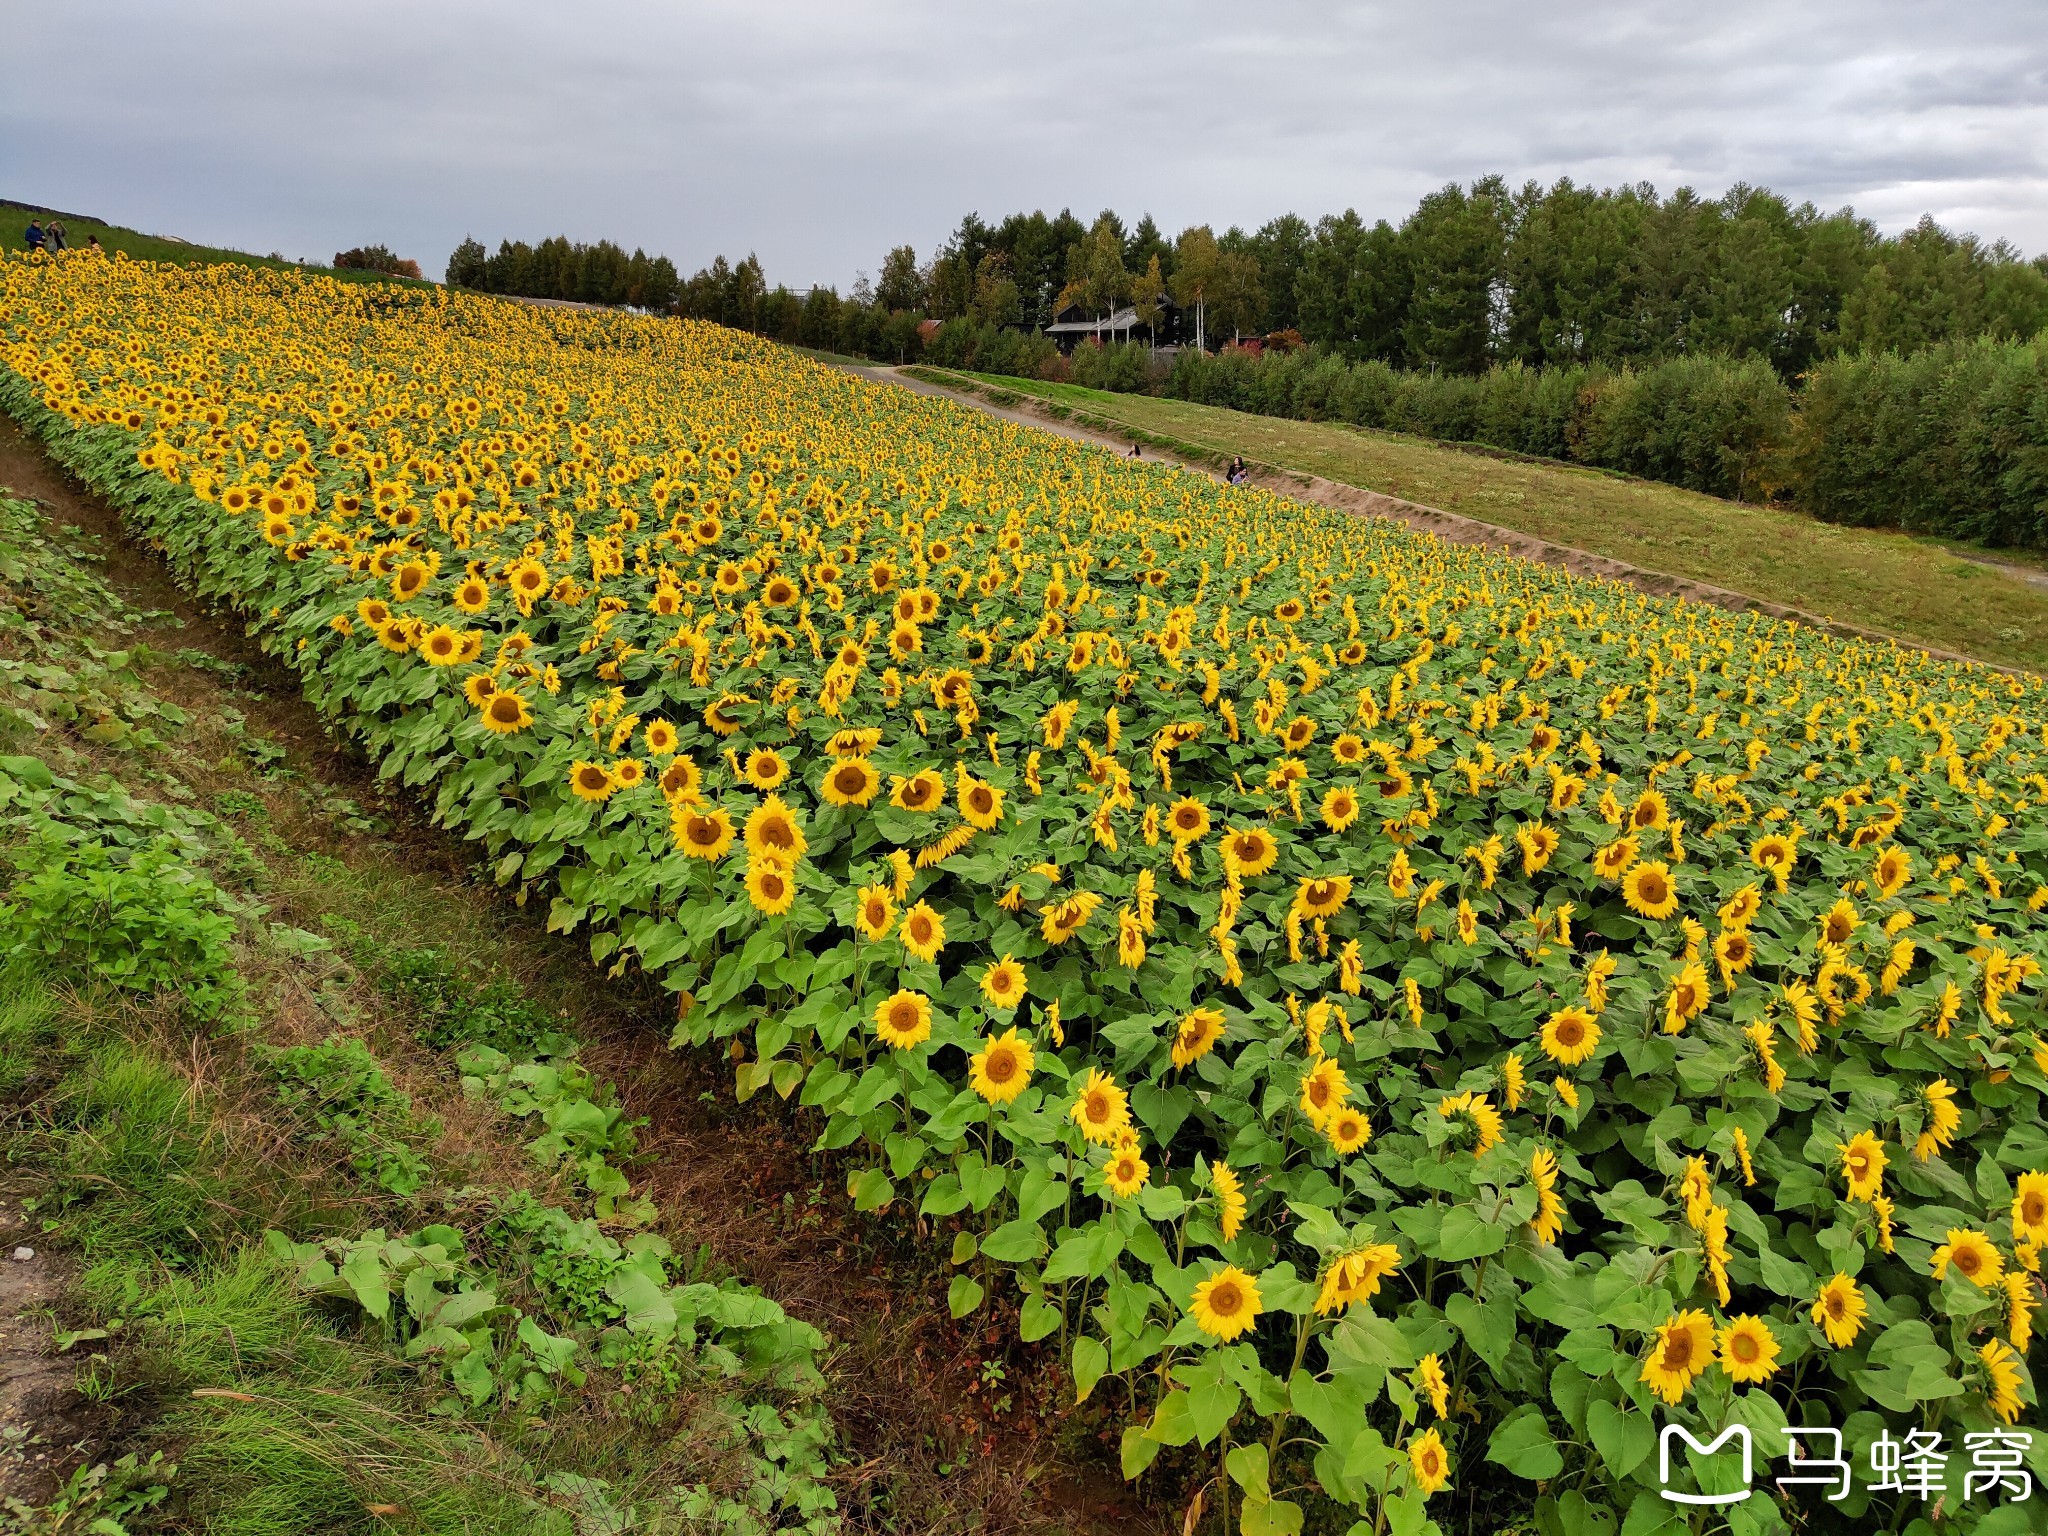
(819, 134)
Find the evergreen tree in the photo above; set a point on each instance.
(1454, 243)
(469, 265)
(1281, 248)
(901, 287)
(1145, 245)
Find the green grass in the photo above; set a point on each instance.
(1916, 589)
(836, 359)
(303, 1424)
(141, 247)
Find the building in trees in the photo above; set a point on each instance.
(1157, 322)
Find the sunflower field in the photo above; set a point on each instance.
(1406, 1020)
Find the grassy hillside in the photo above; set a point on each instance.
(1916, 589)
(14, 218)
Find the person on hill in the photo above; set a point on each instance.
(54, 231)
(34, 235)
(92, 243)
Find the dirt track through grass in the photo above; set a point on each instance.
(1917, 590)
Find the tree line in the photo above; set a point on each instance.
(1739, 346)
(1473, 278)
(557, 269)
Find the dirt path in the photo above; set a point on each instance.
(1453, 527)
(42, 1415)
(909, 1392)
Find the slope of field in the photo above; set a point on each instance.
(1916, 589)
(14, 218)
(1403, 1018)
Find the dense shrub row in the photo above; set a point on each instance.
(1952, 440)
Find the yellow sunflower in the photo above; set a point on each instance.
(1323, 896)
(700, 834)
(1679, 1356)
(1648, 890)
(1125, 1173)
(1429, 1462)
(1347, 1129)
(1570, 1036)
(1478, 1115)
(1840, 1310)
(1324, 1089)
(874, 912)
(1863, 1164)
(765, 768)
(1003, 984)
(590, 781)
(1196, 1036)
(505, 712)
(1002, 1068)
(1972, 1256)
(1100, 1108)
(980, 802)
(1340, 808)
(772, 828)
(2002, 1373)
(851, 781)
(1187, 820)
(681, 782)
(1612, 861)
(922, 791)
(904, 1020)
(1749, 1351)
(1227, 1304)
(923, 931)
(2030, 1209)
(1250, 850)
(1230, 1201)
(770, 886)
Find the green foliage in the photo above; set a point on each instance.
(349, 1098)
(588, 1135)
(1708, 424)
(596, 1305)
(141, 919)
(1950, 441)
(100, 1498)
(975, 344)
(444, 1008)
(1125, 366)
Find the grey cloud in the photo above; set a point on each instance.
(818, 134)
